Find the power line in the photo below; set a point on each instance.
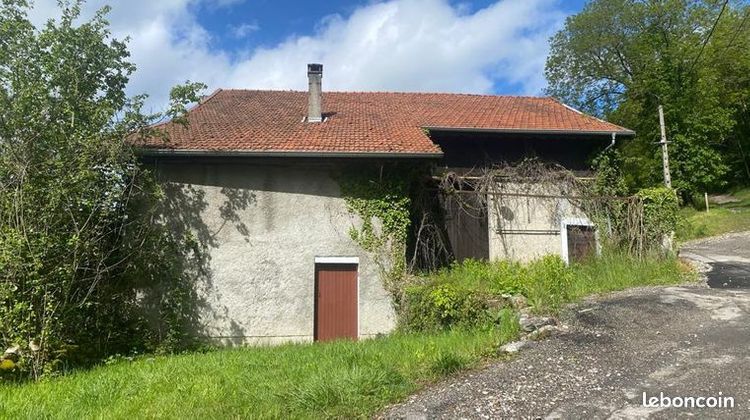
(705, 41)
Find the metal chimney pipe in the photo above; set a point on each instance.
(315, 93)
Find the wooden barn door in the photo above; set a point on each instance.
(581, 242)
(467, 227)
(335, 301)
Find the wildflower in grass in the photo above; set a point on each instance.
(7, 364)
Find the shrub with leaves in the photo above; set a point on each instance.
(82, 247)
(660, 213)
(434, 307)
(474, 293)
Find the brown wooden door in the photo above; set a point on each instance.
(581, 242)
(467, 227)
(335, 301)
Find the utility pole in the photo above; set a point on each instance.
(664, 151)
(667, 240)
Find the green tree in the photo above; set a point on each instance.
(620, 59)
(81, 238)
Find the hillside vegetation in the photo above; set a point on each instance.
(731, 216)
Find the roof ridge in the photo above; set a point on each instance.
(385, 92)
(210, 96)
(585, 115)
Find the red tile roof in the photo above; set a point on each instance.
(368, 123)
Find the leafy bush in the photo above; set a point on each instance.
(440, 306)
(660, 213)
(471, 293)
(82, 246)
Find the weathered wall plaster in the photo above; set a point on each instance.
(265, 225)
(526, 228)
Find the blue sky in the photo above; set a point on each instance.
(267, 22)
(396, 45)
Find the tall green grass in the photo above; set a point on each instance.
(614, 271)
(547, 283)
(340, 379)
(544, 281)
(721, 219)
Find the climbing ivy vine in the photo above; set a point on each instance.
(380, 196)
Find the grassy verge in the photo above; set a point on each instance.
(613, 272)
(341, 379)
(469, 293)
(723, 218)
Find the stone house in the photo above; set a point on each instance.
(259, 168)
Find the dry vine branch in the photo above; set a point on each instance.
(498, 190)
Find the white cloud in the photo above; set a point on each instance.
(400, 45)
(224, 3)
(244, 30)
(415, 45)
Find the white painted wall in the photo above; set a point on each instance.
(264, 243)
(526, 228)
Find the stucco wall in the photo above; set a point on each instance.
(526, 228)
(264, 226)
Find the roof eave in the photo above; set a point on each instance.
(288, 154)
(626, 133)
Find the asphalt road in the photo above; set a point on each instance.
(728, 257)
(689, 341)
